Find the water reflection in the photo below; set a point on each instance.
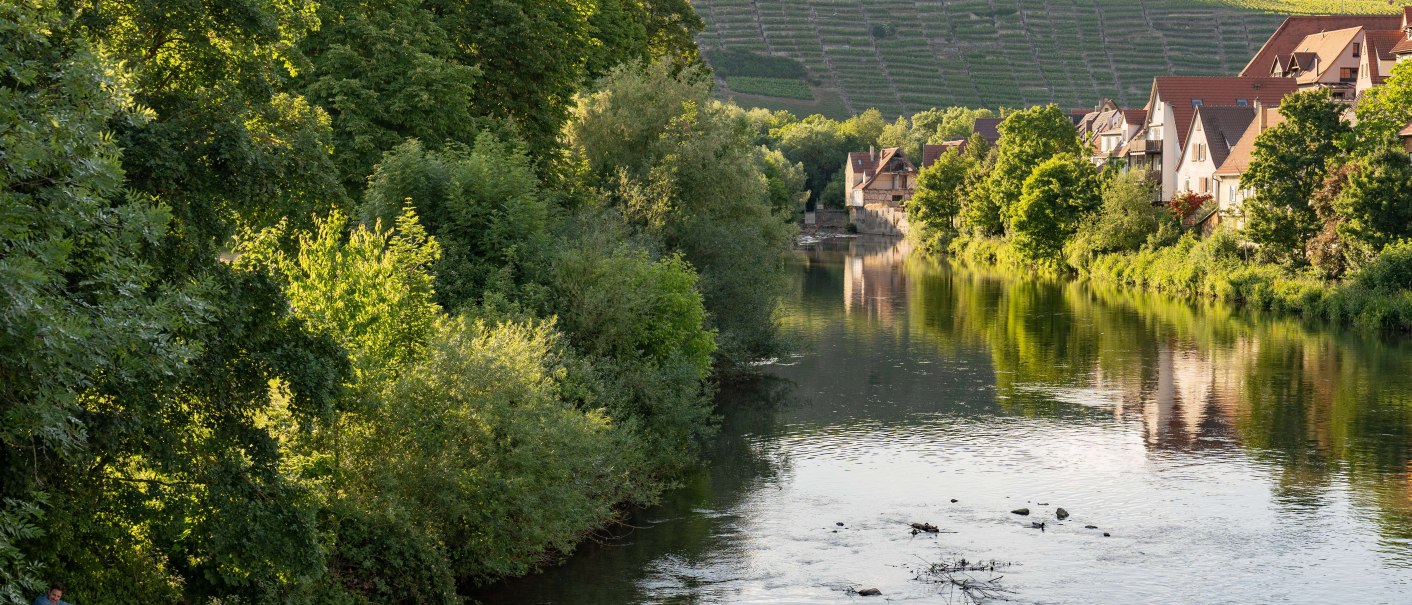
(1235, 458)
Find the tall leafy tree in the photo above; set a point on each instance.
(1386, 109)
(1288, 164)
(1027, 139)
(932, 209)
(1375, 204)
(684, 169)
(820, 145)
(483, 203)
(1053, 201)
(386, 72)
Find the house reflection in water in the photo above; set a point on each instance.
(875, 277)
(1194, 402)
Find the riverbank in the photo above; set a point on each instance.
(1217, 268)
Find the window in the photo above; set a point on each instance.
(1242, 102)
(896, 198)
(1196, 102)
(1356, 48)
(1205, 185)
(1347, 74)
(1200, 152)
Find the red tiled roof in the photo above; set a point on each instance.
(989, 129)
(1135, 117)
(1239, 158)
(884, 159)
(862, 162)
(1295, 28)
(1403, 46)
(1181, 91)
(931, 152)
(1406, 132)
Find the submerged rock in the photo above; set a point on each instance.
(1061, 513)
(1090, 527)
(1021, 511)
(870, 592)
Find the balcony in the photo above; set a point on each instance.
(1145, 146)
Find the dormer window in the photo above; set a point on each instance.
(1242, 102)
(1196, 102)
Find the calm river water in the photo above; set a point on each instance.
(1233, 459)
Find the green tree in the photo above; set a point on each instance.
(932, 209)
(1053, 201)
(864, 129)
(819, 144)
(386, 72)
(1287, 166)
(1375, 204)
(1028, 138)
(483, 204)
(1385, 109)
(683, 168)
(1122, 223)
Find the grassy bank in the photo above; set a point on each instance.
(1218, 268)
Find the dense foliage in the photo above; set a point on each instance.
(306, 302)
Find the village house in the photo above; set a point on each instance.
(1157, 146)
(1227, 189)
(1214, 131)
(1347, 54)
(1107, 129)
(879, 185)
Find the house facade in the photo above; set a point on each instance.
(1214, 131)
(1347, 54)
(1229, 194)
(1157, 146)
(879, 185)
(1107, 129)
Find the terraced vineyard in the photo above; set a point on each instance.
(902, 56)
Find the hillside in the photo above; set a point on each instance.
(843, 56)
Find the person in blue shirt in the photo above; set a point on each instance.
(53, 597)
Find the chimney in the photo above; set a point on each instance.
(873, 153)
(1259, 117)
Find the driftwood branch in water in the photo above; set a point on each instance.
(970, 581)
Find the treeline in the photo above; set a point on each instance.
(360, 303)
(820, 145)
(1326, 230)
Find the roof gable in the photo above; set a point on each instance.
(1223, 127)
(1289, 34)
(1239, 157)
(1183, 92)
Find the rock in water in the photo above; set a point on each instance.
(1106, 534)
(953, 500)
(1061, 513)
(870, 592)
(840, 524)
(1021, 511)
(1090, 527)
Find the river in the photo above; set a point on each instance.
(1230, 458)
